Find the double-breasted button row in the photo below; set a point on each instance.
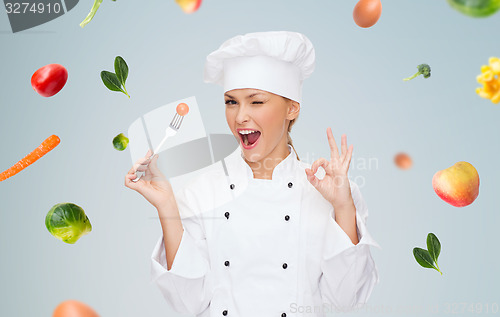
(226, 263)
(290, 185)
(226, 214)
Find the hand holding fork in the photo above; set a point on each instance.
(181, 110)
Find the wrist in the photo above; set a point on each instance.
(345, 209)
(167, 208)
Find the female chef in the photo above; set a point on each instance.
(258, 233)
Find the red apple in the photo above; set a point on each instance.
(457, 185)
(189, 6)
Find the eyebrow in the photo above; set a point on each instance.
(249, 96)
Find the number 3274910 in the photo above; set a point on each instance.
(32, 8)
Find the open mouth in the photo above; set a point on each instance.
(249, 137)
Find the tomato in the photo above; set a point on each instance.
(49, 80)
(182, 109)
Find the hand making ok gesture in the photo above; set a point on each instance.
(335, 185)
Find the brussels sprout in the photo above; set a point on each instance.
(476, 8)
(67, 222)
(120, 142)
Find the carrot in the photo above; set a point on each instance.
(47, 145)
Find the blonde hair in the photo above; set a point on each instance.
(289, 138)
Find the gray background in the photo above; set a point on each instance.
(357, 89)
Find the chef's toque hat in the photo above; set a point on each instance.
(276, 62)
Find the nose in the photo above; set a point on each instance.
(243, 115)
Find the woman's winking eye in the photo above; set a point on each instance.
(233, 102)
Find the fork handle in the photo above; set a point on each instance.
(161, 144)
(138, 176)
(168, 133)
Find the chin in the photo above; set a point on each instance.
(251, 155)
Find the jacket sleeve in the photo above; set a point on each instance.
(348, 271)
(186, 286)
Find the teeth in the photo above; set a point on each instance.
(247, 131)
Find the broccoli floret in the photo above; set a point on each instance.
(423, 69)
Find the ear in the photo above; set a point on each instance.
(293, 110)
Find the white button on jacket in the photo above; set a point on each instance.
(267, 248)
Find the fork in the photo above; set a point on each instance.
(171, 130)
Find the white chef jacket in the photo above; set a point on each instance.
(267, 248)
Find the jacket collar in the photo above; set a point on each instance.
(240, 173)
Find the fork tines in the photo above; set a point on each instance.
(176, 121)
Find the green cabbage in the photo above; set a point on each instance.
(476, 8)
(67, 222)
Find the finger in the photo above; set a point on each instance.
(148, 174)
(130, 183)
(312, 178)
(154, 166)
(319, 162)
(343, 144)
(141, 162)
(146, 158)
(348, 156)
(333, 145)
(130, 175)
(129, 179)
(142, 168)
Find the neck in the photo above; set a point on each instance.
(263, 169)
